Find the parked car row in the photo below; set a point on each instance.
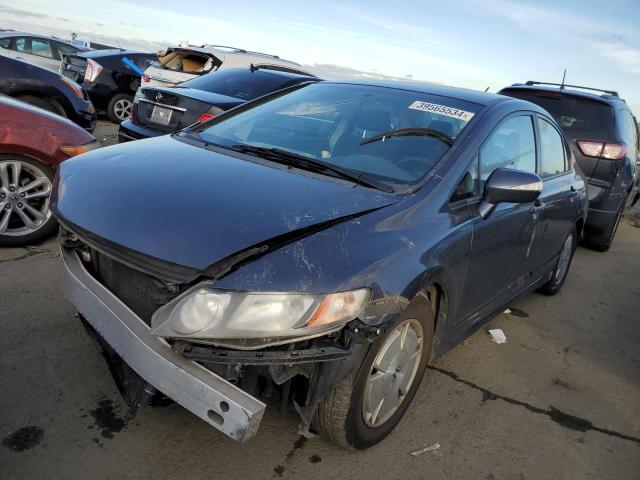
(323, 241)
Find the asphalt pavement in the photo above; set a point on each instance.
(559, 400)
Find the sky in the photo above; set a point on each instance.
(466, 43)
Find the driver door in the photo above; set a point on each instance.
(502, 243)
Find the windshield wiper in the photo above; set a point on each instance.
(406, 132)
(290, 158)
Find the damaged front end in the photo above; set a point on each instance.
(221, 354)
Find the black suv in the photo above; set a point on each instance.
(603, 135)
(108, 80)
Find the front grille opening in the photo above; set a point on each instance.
(142, 293)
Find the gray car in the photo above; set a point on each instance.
(38, 50)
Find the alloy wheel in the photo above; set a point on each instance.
(24, 198)
(392, 373)
(122, 109)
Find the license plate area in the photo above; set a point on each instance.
(161, 115)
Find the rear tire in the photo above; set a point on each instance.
(42, 103)
(341, 415)
(601, 242)
(119, 107)
(554, 285)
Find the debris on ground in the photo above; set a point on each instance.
(430, 448)
(498, 336)
(516, 312)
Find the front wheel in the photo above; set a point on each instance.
(25, 187)
(554, 285)
(361, 412)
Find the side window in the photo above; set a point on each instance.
(5, 42)
(23, 45)
(467, 188)
(510, 145)
(41, 48)
(552, 151)
(628, 127)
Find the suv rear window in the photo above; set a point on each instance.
(573, 114)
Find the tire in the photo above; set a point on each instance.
(43, 103)
(119, 107)
(601, 242)
(554, 285)
(33, 205)
(340, 416)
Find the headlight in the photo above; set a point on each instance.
(255, 319)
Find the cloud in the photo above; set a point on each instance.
(627, 58)
(21, 13)
(328, 71)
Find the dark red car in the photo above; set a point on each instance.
(33, 142)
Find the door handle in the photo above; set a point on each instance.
(572, 191)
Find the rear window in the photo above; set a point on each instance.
(189, 62)
(573, 114)
(243, 84)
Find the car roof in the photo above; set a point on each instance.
(606, 96)
(465, 94)
(112, 52)
(5, 34)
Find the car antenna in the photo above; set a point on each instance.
(563, 77)
(486, 89)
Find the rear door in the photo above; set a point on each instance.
(555, 209)
(502, 242)
(37, 51)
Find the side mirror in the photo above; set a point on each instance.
(506, 185)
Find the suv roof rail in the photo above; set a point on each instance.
(280, 68)
(238, 50)
(564, 85)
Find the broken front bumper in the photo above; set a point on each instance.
(210, 397)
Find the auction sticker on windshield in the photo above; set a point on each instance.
(442, 110)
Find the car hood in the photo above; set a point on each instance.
(194, 207)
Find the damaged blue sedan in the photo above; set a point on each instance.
(318, 247)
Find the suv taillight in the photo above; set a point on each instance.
(92, 71)
(608, 151)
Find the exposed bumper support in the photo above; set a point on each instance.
(213, 399)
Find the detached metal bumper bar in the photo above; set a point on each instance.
(205, 394)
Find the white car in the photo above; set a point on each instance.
(181, 64)
(38, 50)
